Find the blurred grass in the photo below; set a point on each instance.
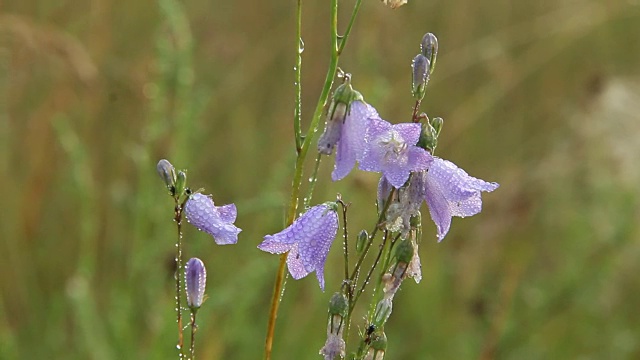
(541, 97)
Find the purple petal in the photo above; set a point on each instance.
(295, 265)
(272, 245)
(228, 213)
(203, 214)
(450, 191)
(410, 132)
(378, 133)
(351, 144)
(438, 208)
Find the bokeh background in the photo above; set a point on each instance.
(540, 96)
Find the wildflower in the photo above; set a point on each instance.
(195, 276)
(307, 240)
(391, 149)
(352, 138)
(216, 221)
(450, 191)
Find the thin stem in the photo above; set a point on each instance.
(178, 220)
(373, 234)
(375, 263)
(416, 107)
(194, 327)
(345, 236)
(313, 180)
(298, 77)
(344, 38)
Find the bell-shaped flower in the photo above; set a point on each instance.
(216, 221)
(352, 138)
(450, 191)
(392, 150)
(307, 240)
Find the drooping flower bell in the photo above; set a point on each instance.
(346, 126)
(195, 275)
(307, 240)
(450, 191)
(216, 221)
(391, 149)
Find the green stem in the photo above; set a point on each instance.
(178, 220)
(344, 38)
(298, 70)
(193, 335)
(313, 181)
(297, 177)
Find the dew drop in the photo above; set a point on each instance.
(178, 347)
(301, 46)
(295, 68)
(311, 179)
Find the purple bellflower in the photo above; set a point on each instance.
(307, 240)
(216, 221)
(392, 150)
(450, 191)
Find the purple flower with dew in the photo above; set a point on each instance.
(216, 221)
(195, 276)
(351, 142)
(391, 149)
(450, 191)
(307, 240)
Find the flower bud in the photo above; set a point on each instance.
(428, 137)
(437, 125)
(181, 183)
(383, 311)
(167, 172)
(404, 251)
(363, 236)
(378, 346)
(338, 304)
(420, 66)
(429, 48)
(195, 281)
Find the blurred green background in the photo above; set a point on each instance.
(540, 96)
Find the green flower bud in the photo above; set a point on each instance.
(383, 311)
(379, 343)
(437, 125)
(338, 304)
(363, 236)
(181, 183)
(428, 137)
(404, 251)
